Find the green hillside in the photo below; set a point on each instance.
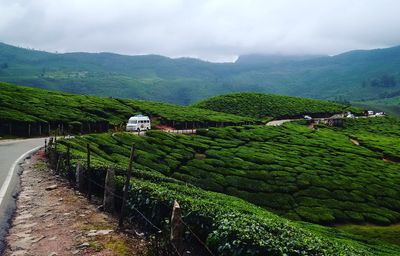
(356, 75)
(259, 105)
(21, 106)
(313, 175)
(303, 174)
(389, 105)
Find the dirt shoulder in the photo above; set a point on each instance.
(53, 219)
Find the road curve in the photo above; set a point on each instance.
(11, 153)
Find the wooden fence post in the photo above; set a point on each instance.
(68, 159)
(109, 191)
(89, 173)
(79, 177)
(29, 130)
(126, 187)
(58, 163)
(177, 227)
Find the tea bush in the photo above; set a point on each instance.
(261, 105)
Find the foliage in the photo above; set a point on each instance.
(260, 105)
(314, 175)
(240, 228)
(24, 104)
(389, 234)
(388, 105)
(186, 80)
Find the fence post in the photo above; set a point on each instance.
(126, 187)
(177, 227)
(45, 146)
(89, 173)
(68, 159)
(58, 157)
(79, 176)
(29, 130)
(109, 191)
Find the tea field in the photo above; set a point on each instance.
(314, 175)
(20, 106)
(318, 175)
(260, 105)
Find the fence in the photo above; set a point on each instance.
(114, 200)
(27, 129)
(186, 131)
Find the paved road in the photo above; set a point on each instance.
(10, 152)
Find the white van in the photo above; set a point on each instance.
(138, 123)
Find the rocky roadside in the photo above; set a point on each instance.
(53, 219)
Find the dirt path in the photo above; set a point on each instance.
(53, 219)
(279, 122)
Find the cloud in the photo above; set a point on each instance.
(216, 30)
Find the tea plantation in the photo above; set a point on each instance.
(313, 175)
(260, 105)
(20, 106)
(304, 174)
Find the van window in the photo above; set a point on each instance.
(133, 122)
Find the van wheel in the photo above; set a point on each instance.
(138, 130)
(147, 128)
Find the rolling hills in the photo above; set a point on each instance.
(351, 76)
(246, 189)
(303, 174)
(29, 111)
(259, 105)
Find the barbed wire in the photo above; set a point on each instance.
(61, 156)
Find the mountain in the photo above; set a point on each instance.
(351, 76)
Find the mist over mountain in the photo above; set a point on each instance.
(352, 76)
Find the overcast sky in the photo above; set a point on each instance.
(215, 30)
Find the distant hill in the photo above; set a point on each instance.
(390, 105)
(351, 76)
(259, 105)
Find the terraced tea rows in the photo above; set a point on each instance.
(21, 107)
(261, 105)
(313, 175)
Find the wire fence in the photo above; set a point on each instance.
(60, 159)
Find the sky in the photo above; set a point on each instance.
(213, 30)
